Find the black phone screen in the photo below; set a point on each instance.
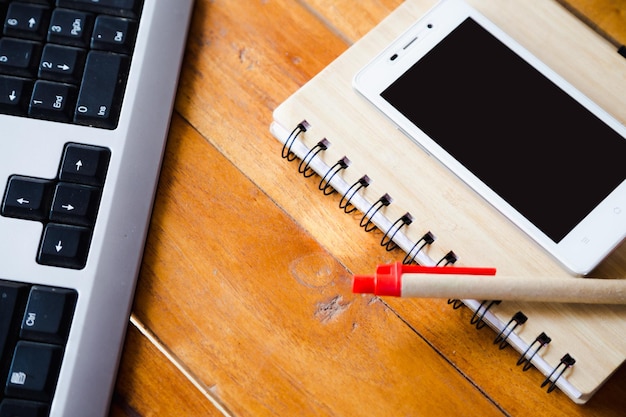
(529, 141)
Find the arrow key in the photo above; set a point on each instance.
(62, 63)
(14, 95)
(29, 21)
(75, 204)
(64, 246)
(26, 198)
(84, 164)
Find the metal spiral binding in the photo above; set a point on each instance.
(286, 152)
(366, 220)
(343, 163)
(344, 203)
(477, 319)
(541, 340)
(387, 240)
(518, 319)
(449, 259)
(303, 168)
(566, 362)
(427, 239)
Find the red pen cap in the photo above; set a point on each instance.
(386, 281)
(388, 278)
(364, 284)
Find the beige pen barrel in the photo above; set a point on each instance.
(496, 287)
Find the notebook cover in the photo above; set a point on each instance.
(438, 201)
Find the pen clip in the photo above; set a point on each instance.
(398, 268)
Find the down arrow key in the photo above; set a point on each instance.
(14, 95)
(64, 246)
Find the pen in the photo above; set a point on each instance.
(483, 283)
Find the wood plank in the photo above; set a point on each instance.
(272, 326)
(150, 385)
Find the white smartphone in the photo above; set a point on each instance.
(523, 138)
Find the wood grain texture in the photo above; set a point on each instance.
(238, 289)
(607, 17)
(145, 374)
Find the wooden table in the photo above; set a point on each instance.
(239, 309)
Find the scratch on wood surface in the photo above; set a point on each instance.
(210, 392)
(327, 311)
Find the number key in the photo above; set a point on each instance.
(62, 63)
(19, 57)
(70, 27)
(52, 101)
(26, 21)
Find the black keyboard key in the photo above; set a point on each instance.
(52, 101)
(43, 2)
(26, 198)
(84, 164)
(12, 298)
(48, 315)
(125, 8)
(70, 27)
(14, 95)
(100, 97)
(21, 408)
(62, 63)
(19, 57)
(28, 21)
(64, 246)
(75, 204)
(34, 371)
(115, 34)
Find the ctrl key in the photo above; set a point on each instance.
(64, 246)
(34, 371)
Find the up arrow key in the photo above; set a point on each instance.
(84, 164)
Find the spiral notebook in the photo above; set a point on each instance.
(330, 133)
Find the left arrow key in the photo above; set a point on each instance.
(27, 198)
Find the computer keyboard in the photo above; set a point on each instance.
(86, 95)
